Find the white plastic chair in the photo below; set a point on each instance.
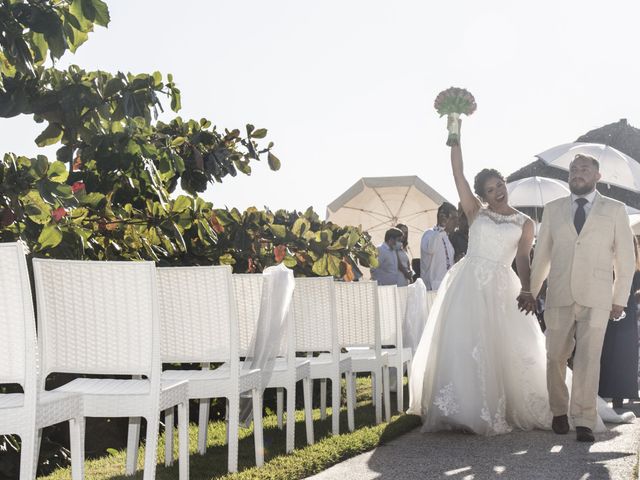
(314, 312)
(199, 324)
(27, 413)
(359, 332)
(101, 318)
(391, 319)
(287, 368)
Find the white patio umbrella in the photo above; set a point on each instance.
(531, 194)
(379, 203)
(536, 191)
(616, 168)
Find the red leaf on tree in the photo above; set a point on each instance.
(77, 186)
(349, 276)
(215, 224)
(59, 213)
(7, 217)
(280, 252)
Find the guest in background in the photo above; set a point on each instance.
(386, 273)
(437, 255)
(460, 237)
(619, 360)
(405, 274)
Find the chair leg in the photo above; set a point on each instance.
(29, 453)
(323, 398)
(151, 445)
(76, 435)
(374, 392)
(308, 410)
(257, 426)
(386, 391)
(232, 433)
(400, 388)
(279, 405)
(168, 436)
(183, 439)
(203, 424)
(336, 395)
(291, 417)
(350, 381)
(377, 394)
(133, 441)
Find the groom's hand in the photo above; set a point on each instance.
(616, 312)
(526, 302)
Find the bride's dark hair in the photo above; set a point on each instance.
(482, 177)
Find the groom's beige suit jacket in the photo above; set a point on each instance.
(580, 268)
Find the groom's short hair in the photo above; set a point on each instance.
(583, 156)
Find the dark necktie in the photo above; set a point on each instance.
(580, 216)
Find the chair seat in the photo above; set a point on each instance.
(278, 376)
(214, 383)
(322, 366)
(363, 358)
(53, 407)
(111, 397)
(407, 353)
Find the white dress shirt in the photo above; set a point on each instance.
(590, 197)
(436, 257)
(387, 271)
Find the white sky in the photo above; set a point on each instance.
(346, 88)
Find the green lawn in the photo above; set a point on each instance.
(304, 461)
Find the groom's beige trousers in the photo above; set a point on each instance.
(582, 328)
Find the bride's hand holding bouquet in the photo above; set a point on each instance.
(453, 102)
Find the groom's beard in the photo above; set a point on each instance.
(581, 189)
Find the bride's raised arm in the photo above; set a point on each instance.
(470, 203)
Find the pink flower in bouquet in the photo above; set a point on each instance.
(77, 186)
(58, 214)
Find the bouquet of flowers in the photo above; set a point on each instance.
(453, 102)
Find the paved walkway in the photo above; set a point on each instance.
(523, 456)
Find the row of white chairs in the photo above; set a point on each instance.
(115, 319)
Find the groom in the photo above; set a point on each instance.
(584, 240)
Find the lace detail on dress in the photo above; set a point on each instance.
(446, 402)
(498, 422)
(517, 218)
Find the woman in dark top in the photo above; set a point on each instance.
(619, 361)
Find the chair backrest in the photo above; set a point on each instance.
(97, 317)
(18, 358)
(389, 315)
(403, 295)
(358, 314)
(315, 316)
(198, 320)
(247, 289)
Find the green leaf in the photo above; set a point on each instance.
(274, 162)
(176, 142)
(320, 267)
(280, 231)
(50, 135)
(181, 204)
(50, 237)
(58, 172)
(227, 259)
(113, 86)
(300, 226)
(259, 133)
(333, 265)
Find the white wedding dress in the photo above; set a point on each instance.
(480, 365)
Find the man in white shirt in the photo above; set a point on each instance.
(436, 251)
(387, 271)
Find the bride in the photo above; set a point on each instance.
(480, 365)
